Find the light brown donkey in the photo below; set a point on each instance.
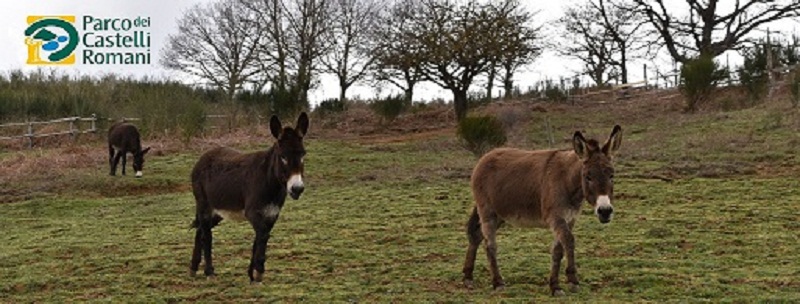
(542, 189)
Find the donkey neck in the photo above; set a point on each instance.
(271, 168)
(575, 178)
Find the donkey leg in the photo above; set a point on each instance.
(207, 240)
(196, 253)
(489, 226)
(572, 269)
(475, 236)
(555, 268)
(115, 162)
(263, 226)
(567, 241)
(124, 160)
(111, 160)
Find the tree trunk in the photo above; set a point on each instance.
(490, 82)
(460, 103)
(342, 92)
(508, 84)
(230, 96)
(408, 94)
(623, 64)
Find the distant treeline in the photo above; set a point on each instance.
(163, 105)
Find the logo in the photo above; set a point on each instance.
(51, 40)
(96, 40)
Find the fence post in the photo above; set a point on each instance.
(30, 135)
(644, 71)
(72, 128)
(94, 119)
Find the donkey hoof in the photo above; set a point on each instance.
(192, 273)
(499, 288)
(255, 283)
(469, 284)
(558, 293)
(211, 277)
(257, 277)
(574, 288)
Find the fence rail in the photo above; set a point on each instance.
(30, 133)
(74, 128)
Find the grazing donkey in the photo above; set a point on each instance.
(541, 189)
(228, 184)
(123, 138)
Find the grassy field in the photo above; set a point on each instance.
(707, 209)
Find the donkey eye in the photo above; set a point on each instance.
(284, 161)
(588, 178)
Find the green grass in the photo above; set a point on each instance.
(385, 223)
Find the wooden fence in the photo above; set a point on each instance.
(74, 127)
(29, 127)
(777, 77)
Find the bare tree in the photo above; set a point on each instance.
(708, 29)
(622, 25)
(585, 38)
(398, 59)
(519, 42)
(350, 57)
(274, 52)
(308, 21)
(454, 44)
(605, 35)
(217, 43)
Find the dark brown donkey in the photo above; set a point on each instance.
(541, 189)
(231, 185)
(123, 138)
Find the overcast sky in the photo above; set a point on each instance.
(163, 14)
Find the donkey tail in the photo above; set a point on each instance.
(474, 227)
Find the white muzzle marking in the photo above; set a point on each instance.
(602, 201)
(138, 173)
(295, 181)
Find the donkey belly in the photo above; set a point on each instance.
(523, 220)
(231, 215)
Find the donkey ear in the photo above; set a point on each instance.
(145, 150)
(275, 126)
(613, 142)
(579, 144)
(302, 124)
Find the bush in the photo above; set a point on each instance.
(554, 92)
(481, 133)
(699, 78)
(390, 107)
(285, 103)
(192, 120)
(753, 72)
(330, 106)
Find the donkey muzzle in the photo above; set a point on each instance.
(603, 209)
(295, 186)
(604, 214)
(296, 191)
